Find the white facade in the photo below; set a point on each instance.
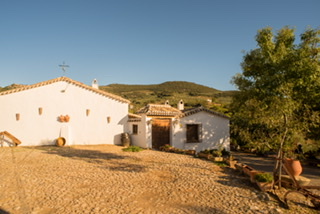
(32, 114)
(143, 137)
(214, 133)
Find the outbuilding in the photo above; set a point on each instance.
(197, 129)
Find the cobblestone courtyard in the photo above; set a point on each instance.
(104, 179)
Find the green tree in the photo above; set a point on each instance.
(278, 101)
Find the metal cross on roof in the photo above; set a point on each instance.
(63, 67)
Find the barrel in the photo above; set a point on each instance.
(125, 139)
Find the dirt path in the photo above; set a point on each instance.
(104, 179)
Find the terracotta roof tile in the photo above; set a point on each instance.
(159, 110)
(191, 111)
(130, 115)
(134, 118)
(68, 80)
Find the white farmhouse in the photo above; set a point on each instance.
(194, 129)
(80, 114)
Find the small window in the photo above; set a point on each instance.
(134, 129)
(193, 133)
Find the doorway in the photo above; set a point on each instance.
(160, 132)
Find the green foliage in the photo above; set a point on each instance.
(263, 177)
(221, 163)
(279, 100)
(10, 87)
(132, 149)
(216, 152)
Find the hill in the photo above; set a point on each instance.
(13, 86)
(191, 93)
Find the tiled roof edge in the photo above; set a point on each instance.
(68, 80)
(199, 109)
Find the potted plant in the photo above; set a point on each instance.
(217, 155)
(205, 154)
(167, 148)
(231, 161)
(190, 152)
(264, 181)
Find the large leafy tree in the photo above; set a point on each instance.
(278, 103)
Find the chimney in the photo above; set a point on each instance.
(167, 102)
(181, 105)
(95, 84)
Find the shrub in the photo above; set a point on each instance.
(225, 152)
(132, 149)
(221, 163)
(216, 153)
(263, 177)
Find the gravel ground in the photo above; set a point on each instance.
(104, 179)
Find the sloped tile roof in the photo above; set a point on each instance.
(167, 110)
(134, 117)
(130, 115)
(191, 111)
(68, 80)
(159, 110)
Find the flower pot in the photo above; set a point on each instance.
(253, 174)
(217, 159)
(264, 186)
(190, 152)
(247, 170)
(232, 163)
(206, 156)
(293, 166)
(60, 141)
(239, 167)
(67, 118)
(61, 118)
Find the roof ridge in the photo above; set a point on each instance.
(191, 111)
(69, 80)
(160, 105)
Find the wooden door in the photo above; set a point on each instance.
(160, 132)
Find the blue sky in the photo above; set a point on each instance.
(139, 41)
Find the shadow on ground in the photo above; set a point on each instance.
(202, 209)
(105, 160)
(2, 211)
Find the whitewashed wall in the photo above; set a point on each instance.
(143, 138)
(215, 132)
(62, 98)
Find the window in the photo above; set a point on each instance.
(134, 129)
(194, 133)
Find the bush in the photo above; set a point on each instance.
(132, 149)
(221, 163)
(263, 177)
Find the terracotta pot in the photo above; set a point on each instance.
(61, 118)
(190, 152)
(206, 156)
(252, 175)
(293, 166)
(264, 186)
(66, 118)
(60, 141)
(217, 159)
